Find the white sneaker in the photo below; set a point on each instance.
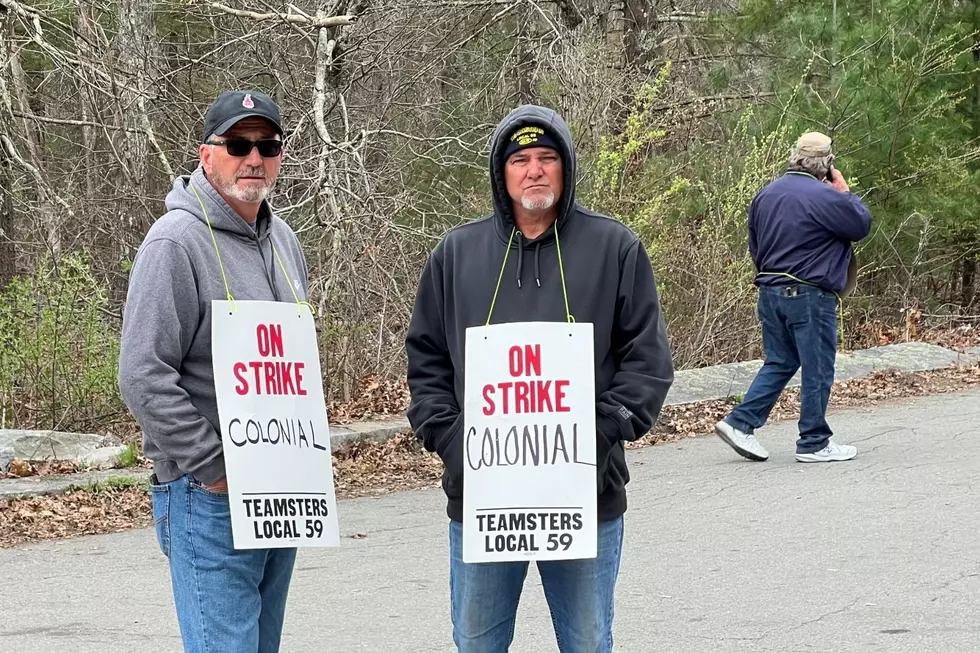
(832, 452)
(743, 443)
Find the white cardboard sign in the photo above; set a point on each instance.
(274, 428)
(529, 455)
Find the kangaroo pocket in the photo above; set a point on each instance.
(611, 472)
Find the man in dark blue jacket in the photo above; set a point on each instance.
(610, 283)
(801, 230)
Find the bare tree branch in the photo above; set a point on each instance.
(319, 21)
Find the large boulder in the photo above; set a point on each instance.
(84, 449)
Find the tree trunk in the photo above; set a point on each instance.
(526, 60)
(8, 255)
(50, 222)
(638, 18)
(968, 289)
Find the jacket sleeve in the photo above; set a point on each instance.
(846, 216)
(433, 412)
(753, 234)
(631, 405)
(159, 323)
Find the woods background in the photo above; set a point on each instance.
(681, 111)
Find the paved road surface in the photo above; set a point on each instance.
(878, 554)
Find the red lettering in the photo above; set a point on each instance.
(262, 336)
(532, 360)
(504, 388)
(543, 396)
(270, 378)
(257, 367)
(521, 403)
(287, 379)
(489, 408)
(242, 387)
(275, 339)
(524, 361)
(559, 395)
(516, 361)
(299, 379)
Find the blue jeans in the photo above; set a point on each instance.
(227, 601)
(799, 328)
(579, 592)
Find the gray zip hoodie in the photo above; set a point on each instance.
(165, 371)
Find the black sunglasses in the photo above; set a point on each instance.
(238, 147)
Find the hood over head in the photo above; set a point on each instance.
(557, 129)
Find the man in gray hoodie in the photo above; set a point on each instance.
(218, 237)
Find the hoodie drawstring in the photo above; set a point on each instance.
(221, 266)
(537, 266)
(520, 261)
(537, 276)
(520, 257)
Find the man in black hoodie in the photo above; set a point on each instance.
(610, 283)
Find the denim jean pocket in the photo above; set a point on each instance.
(160, 499)
(197, 487)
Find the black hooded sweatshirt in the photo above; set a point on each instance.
(610, 283)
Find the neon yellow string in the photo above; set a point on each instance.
(561, 271)
(299, 302)
(493, 302)
(214, 240)
(840, 300)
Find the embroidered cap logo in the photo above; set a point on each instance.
(247, 102)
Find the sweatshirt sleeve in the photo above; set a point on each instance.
(845, 216)
(631, 405)
(433, 412)
(159, 323)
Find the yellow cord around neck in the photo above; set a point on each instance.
(561, 272)
(221, 266)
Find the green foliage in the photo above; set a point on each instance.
(129, 455)
(58, 358)
(894, 82)
(628, 182)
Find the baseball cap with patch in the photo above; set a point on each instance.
(231, 106)
(815, 144)
(529, 136)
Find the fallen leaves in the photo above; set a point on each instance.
(372, 469)
(80, 512)
(22, 468)
(376, 398)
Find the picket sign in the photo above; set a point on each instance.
(274, 428)
(529, 443)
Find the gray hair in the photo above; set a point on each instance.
(818, 166)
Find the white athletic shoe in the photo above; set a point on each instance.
(744, 443)
(832, 452)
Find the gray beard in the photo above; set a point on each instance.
(249, 195)
(538, 203)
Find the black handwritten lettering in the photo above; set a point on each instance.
(274, 432)
(529, 447)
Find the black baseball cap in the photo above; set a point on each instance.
(231, 106)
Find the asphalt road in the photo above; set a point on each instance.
(881, 553)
